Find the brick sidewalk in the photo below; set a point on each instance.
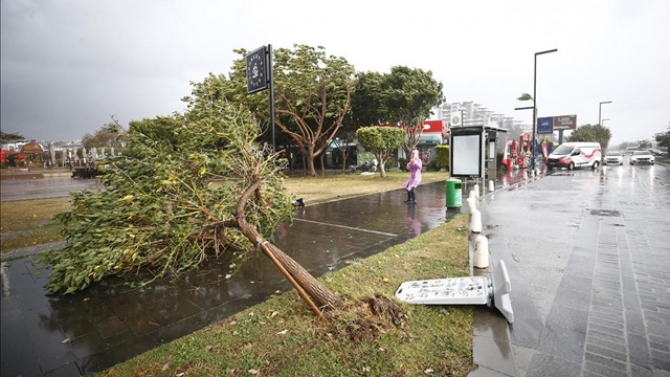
(588, 256)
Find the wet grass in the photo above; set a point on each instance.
(335, 187)
(282, 337)
(26, 223)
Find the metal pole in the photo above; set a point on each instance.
(535, 103)
(272, 98)
(600, 110)
(532, 164)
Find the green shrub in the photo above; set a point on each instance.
(442, 157)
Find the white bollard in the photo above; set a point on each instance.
(481, 255)
(525, 175)
(476, 221)
(472, 204)
(472, 194)
(476, 190)
(492, 186)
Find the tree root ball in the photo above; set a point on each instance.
(364, 321)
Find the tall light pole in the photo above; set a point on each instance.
(534, 143)
(600, 111)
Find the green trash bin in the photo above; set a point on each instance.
(454, 194)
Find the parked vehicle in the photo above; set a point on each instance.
(642, 157)
(575, 155)
(630, 150)
(657, 152)
(613, 157)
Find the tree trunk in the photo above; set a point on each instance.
(345, 154)
(382, 171)
(320, 293)
(310, 161)
(322, 158)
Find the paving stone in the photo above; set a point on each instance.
(607, 352)
(543, 365)
(602, 370)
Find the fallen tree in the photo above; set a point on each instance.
(190, 188)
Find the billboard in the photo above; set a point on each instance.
(565, 122)
(545, 125)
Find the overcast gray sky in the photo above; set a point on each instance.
(67, 65)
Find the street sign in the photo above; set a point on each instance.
(545, 125)
(257, 70)
(565, 122)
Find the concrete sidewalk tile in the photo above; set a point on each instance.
(660, 360)
(570, 318)
(494, 354)
(543, 365)
(638, 371)
(562, 342)
(607, 352)
(601, 370)
(638, 350)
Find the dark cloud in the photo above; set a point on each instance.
(67, 65)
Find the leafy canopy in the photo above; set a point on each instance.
(166, 207)
(594, 133)
(381, 141)
(663, 138)
(312, 95)
(6, 137)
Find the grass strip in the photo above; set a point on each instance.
(281, 337)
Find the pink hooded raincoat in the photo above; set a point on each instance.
(414, 166)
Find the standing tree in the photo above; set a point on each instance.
(110, 135)
(589, 132)
(663, 138)
(407, 97)
(207, 190)
(10, 137)
(312, 95)
(644, 144)
(381, 141)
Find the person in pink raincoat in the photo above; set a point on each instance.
(414, 166)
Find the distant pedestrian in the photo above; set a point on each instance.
(414, 166)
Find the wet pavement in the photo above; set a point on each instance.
(588, 255)
(92, 330)
(37, 187)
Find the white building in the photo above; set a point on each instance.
(458, 114)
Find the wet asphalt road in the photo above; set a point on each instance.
(37, 188)
(588, 254)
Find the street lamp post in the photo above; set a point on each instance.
(535, 105)
(600, 111)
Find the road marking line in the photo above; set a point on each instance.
(348, 227)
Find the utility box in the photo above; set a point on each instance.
(454, 193)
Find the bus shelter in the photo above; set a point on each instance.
(472, 152)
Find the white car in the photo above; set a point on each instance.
(614, 158)
(642, 157)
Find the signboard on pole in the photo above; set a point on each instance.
(545, 125)
(565, 122)
(257, 70)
